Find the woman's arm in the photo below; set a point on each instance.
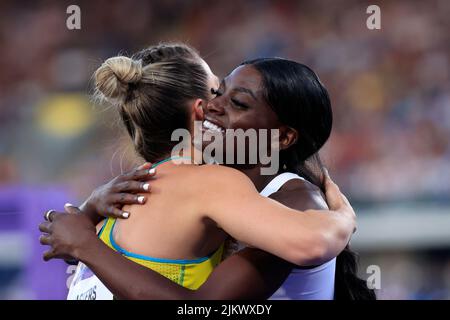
(253, 273)
(248, 274)
(310, 238)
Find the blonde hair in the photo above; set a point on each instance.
(115, 74)
(151, 91)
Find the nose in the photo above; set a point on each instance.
(216, 107)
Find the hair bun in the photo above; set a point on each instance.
(113, 77)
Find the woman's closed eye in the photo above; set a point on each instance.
(239, 104)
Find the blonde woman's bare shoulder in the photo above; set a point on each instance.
(223, 177)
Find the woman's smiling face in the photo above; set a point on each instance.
(238, 103)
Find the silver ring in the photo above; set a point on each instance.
(47, 215)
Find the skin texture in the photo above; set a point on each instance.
(253, 267)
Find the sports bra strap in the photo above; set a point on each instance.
(277, 182)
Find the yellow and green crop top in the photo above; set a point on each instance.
(190, 274)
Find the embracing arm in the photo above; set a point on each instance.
(136, 282)
(248, 274)
(310, 238)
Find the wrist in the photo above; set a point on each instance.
(90, 211)
(86, 248)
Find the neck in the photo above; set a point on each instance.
(187, 155)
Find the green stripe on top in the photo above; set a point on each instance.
(103, 227)
(182, 275)
(169, 159)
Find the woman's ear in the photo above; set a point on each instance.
(197, 110)
(288, 137)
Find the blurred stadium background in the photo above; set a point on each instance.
(389, 150)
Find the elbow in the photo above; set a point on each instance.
(317, 251)
(329, 245)
(322, 250)
(131, 294)
(331, 242)
(320, 246)
(134, 292)
(309, 252)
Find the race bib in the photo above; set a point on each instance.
(86, 286)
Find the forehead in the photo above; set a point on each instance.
(245, 76)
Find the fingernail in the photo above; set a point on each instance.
(69, 205)
(152, 171)
(125, 215)
(325, 170)
(141, 199)
(142, 166)
(146, 186)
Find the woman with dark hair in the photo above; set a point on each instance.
(68, 234)
(300, 101)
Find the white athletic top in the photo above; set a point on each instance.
(303, 284)
(86, 286)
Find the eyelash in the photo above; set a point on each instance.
(215, 92)
(237, 103)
